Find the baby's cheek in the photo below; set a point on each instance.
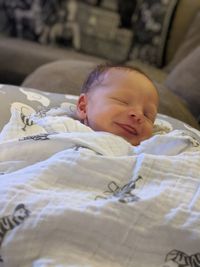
(149, 130)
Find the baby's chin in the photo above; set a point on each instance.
(135, 142)
(134, 139)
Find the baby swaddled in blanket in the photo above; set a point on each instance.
(120, 100)
(100, 190)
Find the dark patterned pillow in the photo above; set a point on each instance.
(151, 27)
(37, 20)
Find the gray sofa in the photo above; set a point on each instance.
(50, 67)
(19, 57)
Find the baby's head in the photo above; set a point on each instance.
(121, 100)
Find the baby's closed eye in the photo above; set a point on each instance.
(120, 100)
(150, 115)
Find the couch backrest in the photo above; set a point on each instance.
(185, 13)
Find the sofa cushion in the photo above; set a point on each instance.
(190, 42)
(19, 57)
(156, 74)
(185, 13)
(184, 81)
(67, 77)
(62, 76)
(173, 106)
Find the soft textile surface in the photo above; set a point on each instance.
(184, 81)
(14, 96)
(190, 42)
(67, 76)
(33, 20)
(100, 33)
(185, 13)
(153, 21)
(91, 199)
(41, 101)
(62, 76)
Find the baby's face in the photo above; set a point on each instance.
(124, 104)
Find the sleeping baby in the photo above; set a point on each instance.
(121, 100)
(115, 99)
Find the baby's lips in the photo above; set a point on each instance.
(129, 128)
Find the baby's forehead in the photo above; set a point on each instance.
(113, 76)
(131, 79)
(120, 75)
(117, 72)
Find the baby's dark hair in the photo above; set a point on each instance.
(96, 76)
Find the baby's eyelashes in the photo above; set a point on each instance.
(122, 101)
(149, 116)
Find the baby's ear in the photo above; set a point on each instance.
(82, 107)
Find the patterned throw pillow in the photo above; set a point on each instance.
(26, 99)
(151, 27)
(100, 34)
(37, 20)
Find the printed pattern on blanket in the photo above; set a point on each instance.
(91, 199)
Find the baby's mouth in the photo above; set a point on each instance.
(128, 128)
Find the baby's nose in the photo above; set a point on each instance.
(136, 116)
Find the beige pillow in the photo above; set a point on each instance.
(62, 76)
(185, 13)
(184, 81)
(191, 41)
